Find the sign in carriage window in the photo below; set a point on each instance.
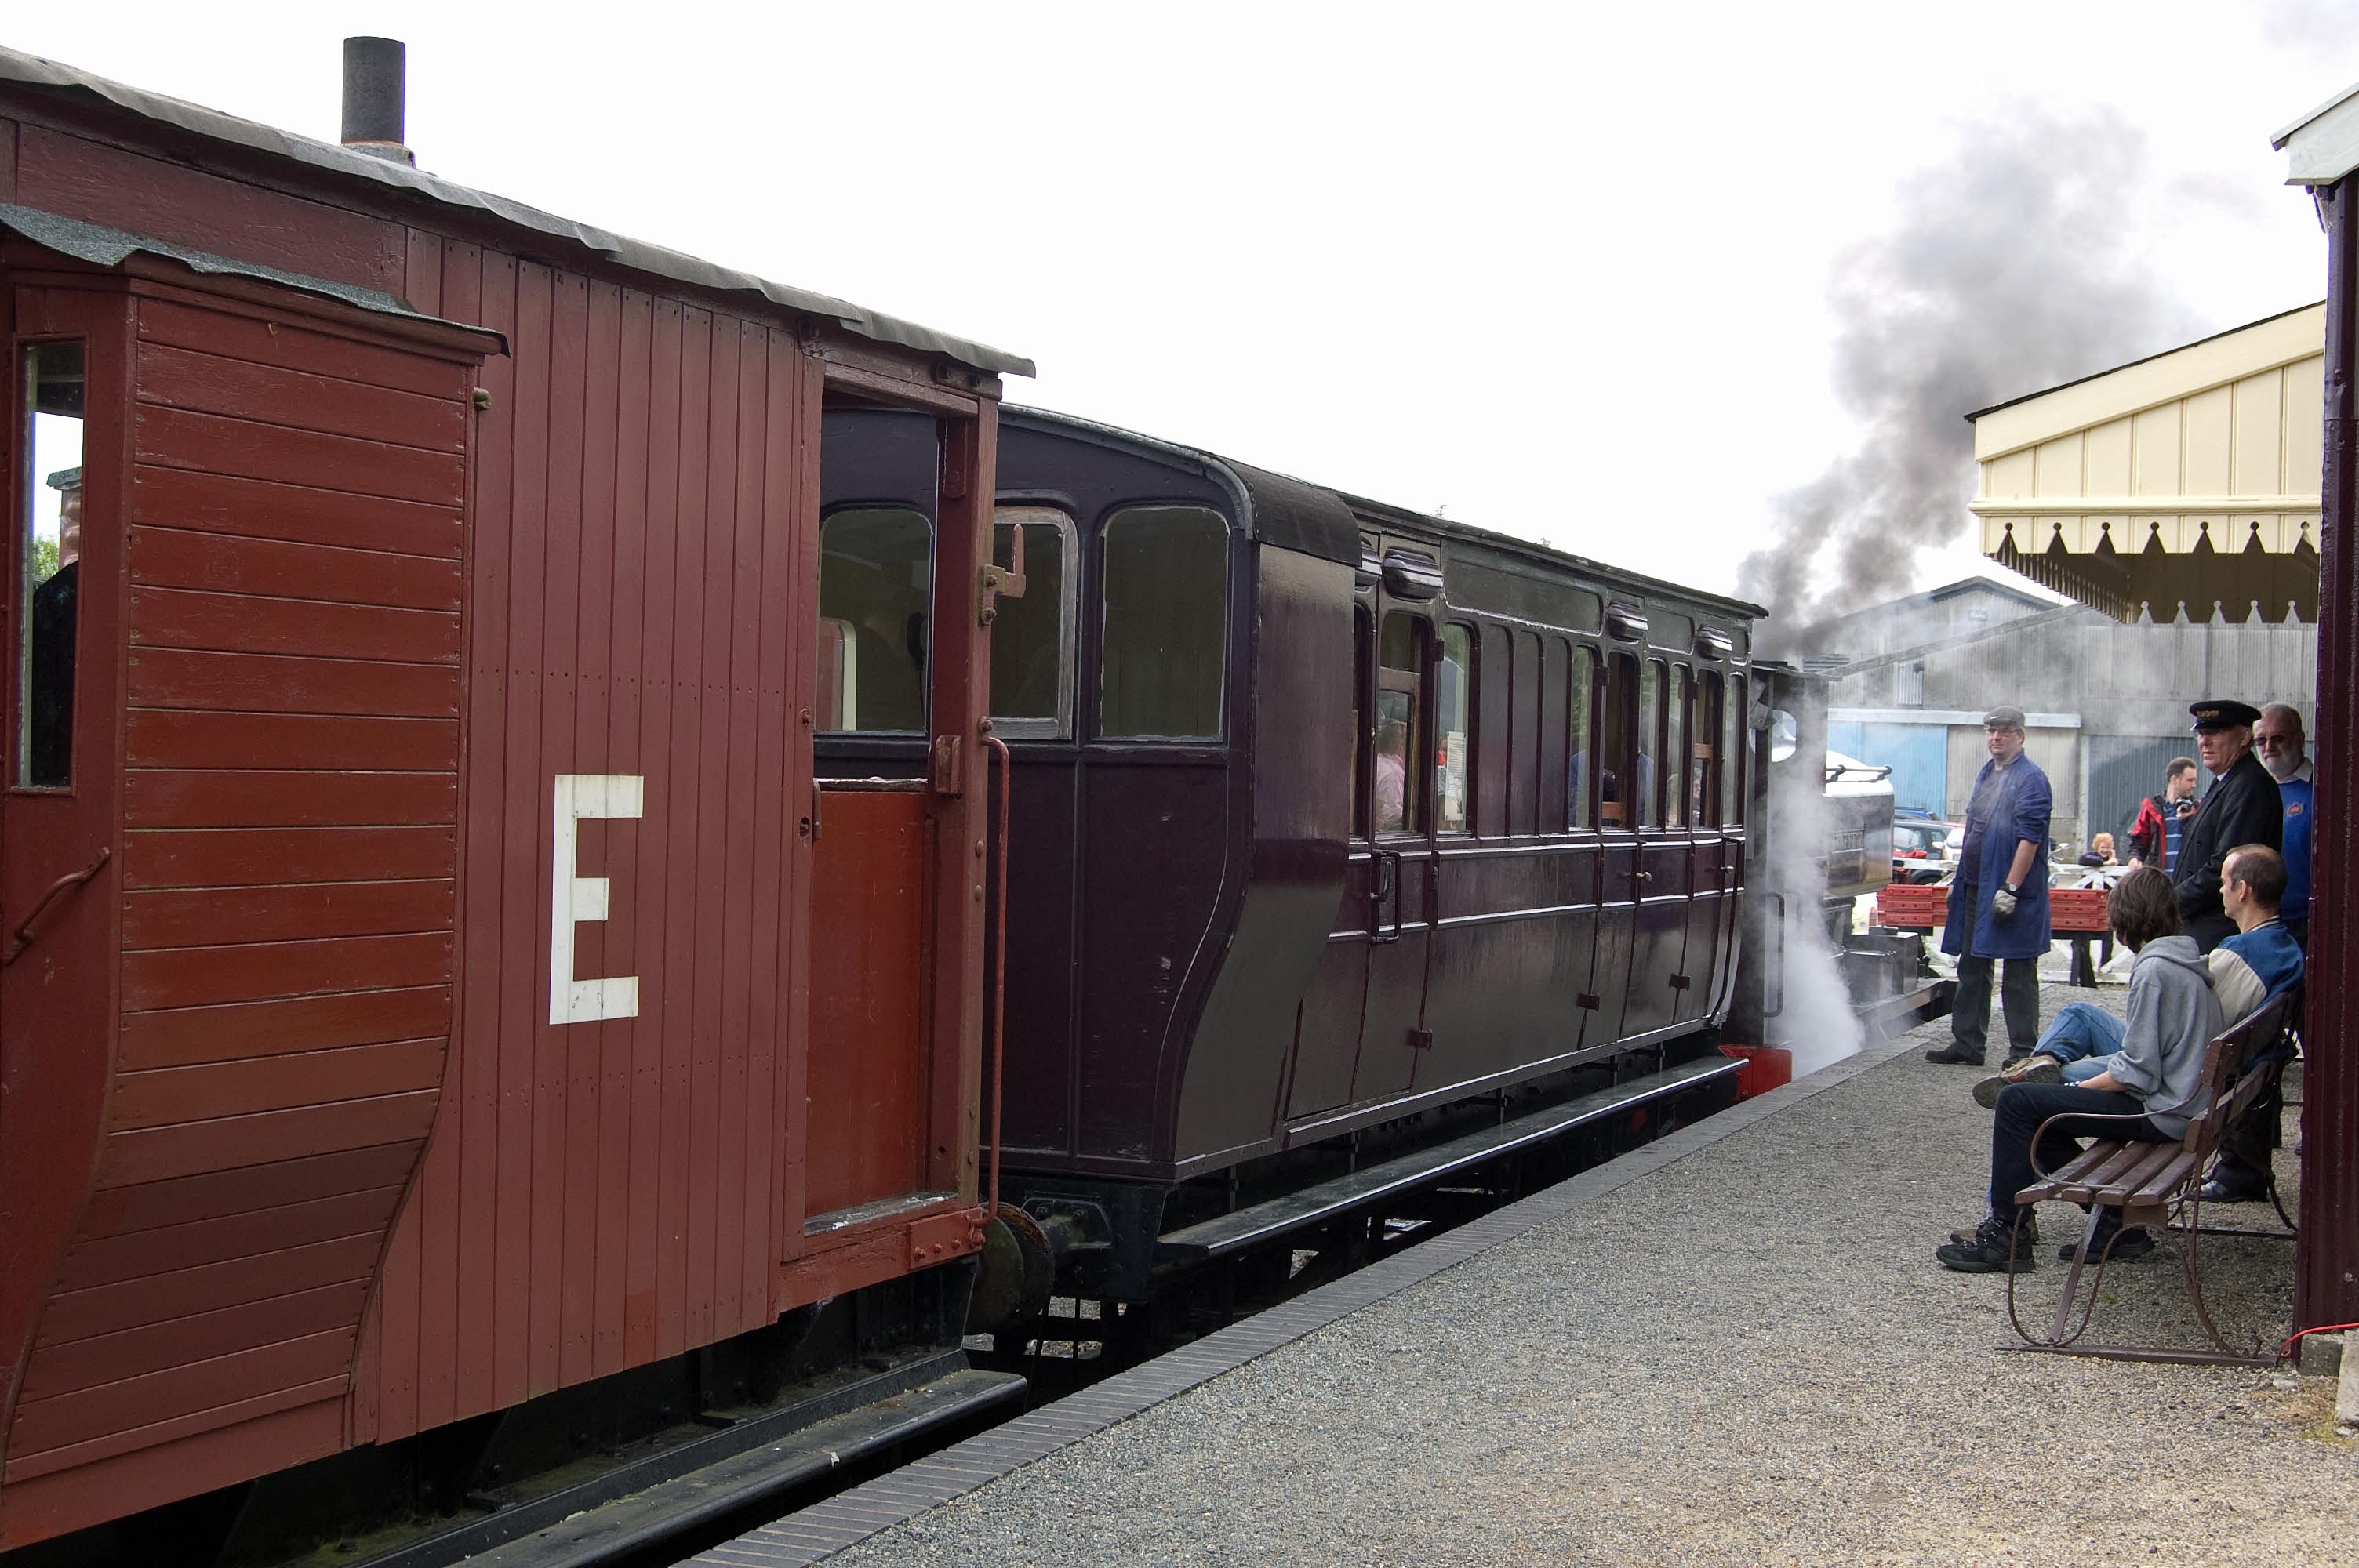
(50, 549)
(1032, 637)
(875, 585)
(1456, 699)
(1167, 578)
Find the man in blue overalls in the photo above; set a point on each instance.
(1998, 904)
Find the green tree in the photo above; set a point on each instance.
(45, 559)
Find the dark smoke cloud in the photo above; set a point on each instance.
(2013, 266)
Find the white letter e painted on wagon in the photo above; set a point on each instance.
(576, 899)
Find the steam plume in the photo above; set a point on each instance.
(1817, 1022)
(2012, 266)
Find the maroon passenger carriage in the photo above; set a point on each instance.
(428, 1049)
(1348, 843)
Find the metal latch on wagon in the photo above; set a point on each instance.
(997, 582)
(943, 1237)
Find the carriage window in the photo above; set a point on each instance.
(1032, 637)
(1649, 739)
(1166, 574)
(1363, 641)
(875, 578)
(1400, 751)
(1578, 810)
(49, 547)
(1454, 726)
(1708, 768)
(1738, 746)
(1676, 770)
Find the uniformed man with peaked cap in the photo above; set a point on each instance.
(2242, 806)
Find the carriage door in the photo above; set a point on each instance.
(875, 1074)
(1713, 879)
(1327, 1026)
(58, 880)
(1618, 817)
(1402, 899)
(1658, 941)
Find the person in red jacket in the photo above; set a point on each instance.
(2153, 837)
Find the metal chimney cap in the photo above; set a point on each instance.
(377, 73)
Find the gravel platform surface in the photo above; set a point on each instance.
(1747, 1356)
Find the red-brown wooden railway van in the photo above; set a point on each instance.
(425, 981)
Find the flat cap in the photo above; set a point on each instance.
(2222, 713)
(2003, 719)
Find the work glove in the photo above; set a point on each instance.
(2002, 903)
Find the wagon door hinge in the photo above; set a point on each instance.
(949, 775)
(997, 582)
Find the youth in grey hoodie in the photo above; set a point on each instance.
(2173, 1014)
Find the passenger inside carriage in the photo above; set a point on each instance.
(1392, 774)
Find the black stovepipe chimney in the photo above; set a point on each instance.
(375, 86)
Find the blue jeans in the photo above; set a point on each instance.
(2084, 1038)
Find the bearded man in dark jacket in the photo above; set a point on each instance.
(2242, 806)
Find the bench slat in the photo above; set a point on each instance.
(2165, 1179)
(2161, 1157)
(2125, 1157)
(2073, 1172)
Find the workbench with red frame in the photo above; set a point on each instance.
(2077, 914)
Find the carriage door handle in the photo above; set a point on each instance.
(57, 890)
(1388, 868)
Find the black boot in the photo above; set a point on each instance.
(1997, 1249)
(1956, 1055)
(1965, 1234)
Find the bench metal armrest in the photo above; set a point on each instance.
(2041, 1130)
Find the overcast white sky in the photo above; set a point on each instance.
(1561, 270)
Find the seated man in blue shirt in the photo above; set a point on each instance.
(2260, 961)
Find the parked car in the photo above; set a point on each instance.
(1924, 850)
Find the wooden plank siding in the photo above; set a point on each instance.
(289, 885)
(351, 1182)
(598, 1196)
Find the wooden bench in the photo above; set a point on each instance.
(2153, 1184)
(2078, 914)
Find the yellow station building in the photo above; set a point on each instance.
(2187, 479)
